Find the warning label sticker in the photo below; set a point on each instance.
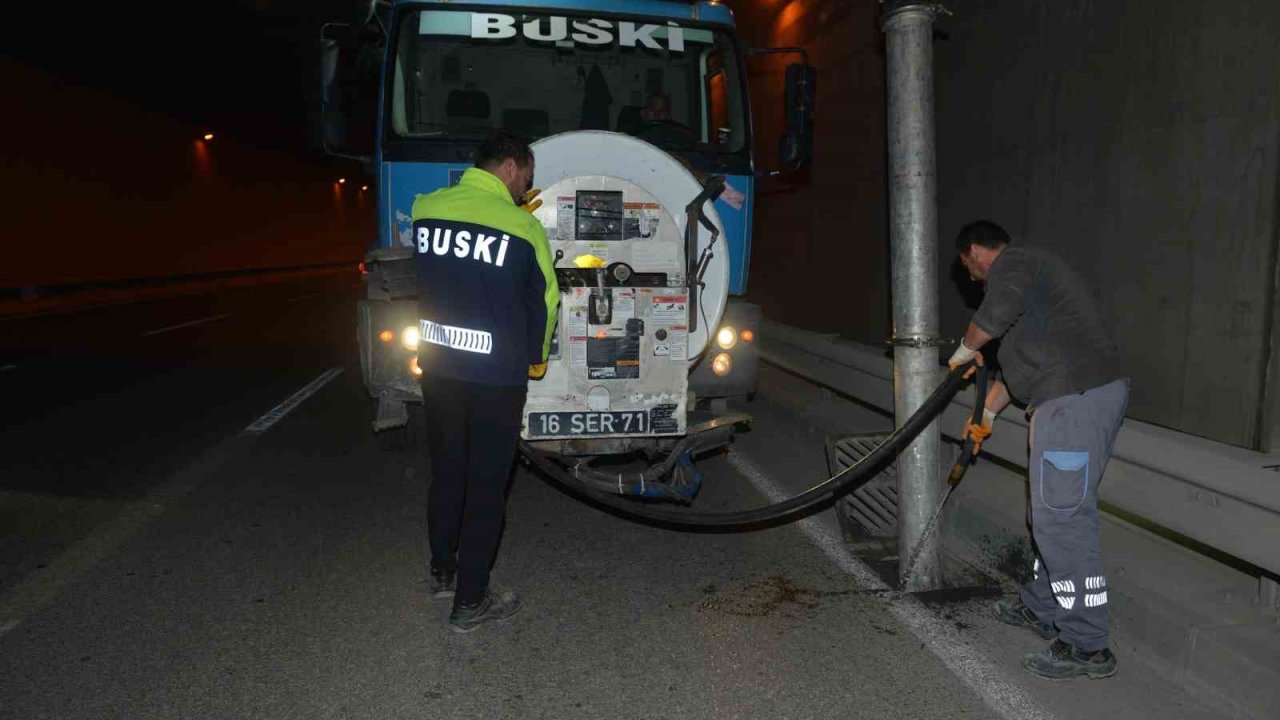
(576, 315)
(669, 308)
(578, 351)
(599, 250)
(640, 220)
(615, 357)
(678, 342)
(564, 218)
(624, 304)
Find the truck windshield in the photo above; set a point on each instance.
(459, 73)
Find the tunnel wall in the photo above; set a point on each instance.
(819, 255)
(96, 190)
(1137, 139)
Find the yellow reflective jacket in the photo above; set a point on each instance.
(487, 292)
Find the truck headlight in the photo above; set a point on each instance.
(727, 337)
(409, 337)
(721, 364)
(386, 336)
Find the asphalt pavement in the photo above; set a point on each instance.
(161, 561)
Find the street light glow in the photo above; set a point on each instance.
(342, 181)
(208, 137)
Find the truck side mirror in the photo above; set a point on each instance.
(796, 144)
(331, 130)
(345, 121)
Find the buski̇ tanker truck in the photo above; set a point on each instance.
(643, 143)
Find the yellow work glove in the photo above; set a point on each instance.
(531, 200)
(539, 371)
(979, 433)
(589, 261)
(962, 356)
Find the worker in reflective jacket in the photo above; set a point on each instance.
(1059, 360)
(487, 299)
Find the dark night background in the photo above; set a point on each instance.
(105, 179)
(244, 68)
(111, 102)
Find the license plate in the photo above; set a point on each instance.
(618, 422)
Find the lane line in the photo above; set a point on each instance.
(42, 587)
(961, 658)
(275, 414)
(179, 326)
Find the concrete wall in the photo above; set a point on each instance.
(96, 190)
(1137, 138)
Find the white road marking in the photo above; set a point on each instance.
(201, 321)
(4, 368)
(987, 680)
(275, 414)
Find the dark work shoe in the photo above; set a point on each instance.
(1062, 662)
(495, 607)
(441, 583)
(1013, 612)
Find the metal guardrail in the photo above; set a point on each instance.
(1222, 496)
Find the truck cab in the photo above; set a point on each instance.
(635, 108)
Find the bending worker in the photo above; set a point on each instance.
(1056, 358)
(487, 300)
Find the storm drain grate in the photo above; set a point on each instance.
(874, 506)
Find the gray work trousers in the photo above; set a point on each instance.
(1071, 441)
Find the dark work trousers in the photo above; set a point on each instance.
(472, 432)
(1071, 441)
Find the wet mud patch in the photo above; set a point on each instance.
(949, 597)
(776, 593)
(1011, 556)
(959, 605)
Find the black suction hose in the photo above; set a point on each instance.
(842, 482)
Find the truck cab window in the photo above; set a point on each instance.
(456, 74)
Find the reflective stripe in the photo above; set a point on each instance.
(476, 341)
(1096, 582)
(1064, 591)
(1035, 569)
(1095, 599)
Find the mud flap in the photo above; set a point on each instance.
(392, 413)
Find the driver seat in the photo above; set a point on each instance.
(629, 119)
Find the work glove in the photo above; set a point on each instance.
(531, 200)
(979, 432)
(538, 371)
(963, 355)
(588, 262)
